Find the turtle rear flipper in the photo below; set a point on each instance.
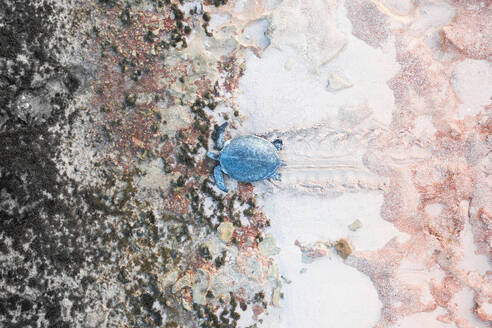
(219, 178)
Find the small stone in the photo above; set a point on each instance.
(356, 225)
(276, 297)
(337, 83)
(94, 319)
(254, 268)
(268, 247)
(354, 115)
(273, 272)
(225, 230)
(184, 281)
(343, 248)
(142, 98)
(199, 289)
(170, 278)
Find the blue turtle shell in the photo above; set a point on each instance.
(249, 158)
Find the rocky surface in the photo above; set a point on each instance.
(109, 216)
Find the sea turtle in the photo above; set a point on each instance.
(245, 158)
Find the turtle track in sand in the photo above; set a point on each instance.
(327, 160)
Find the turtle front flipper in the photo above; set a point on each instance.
(219, 140)
(219, 178)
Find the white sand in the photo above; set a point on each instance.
(328, 106)
(285, 90)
